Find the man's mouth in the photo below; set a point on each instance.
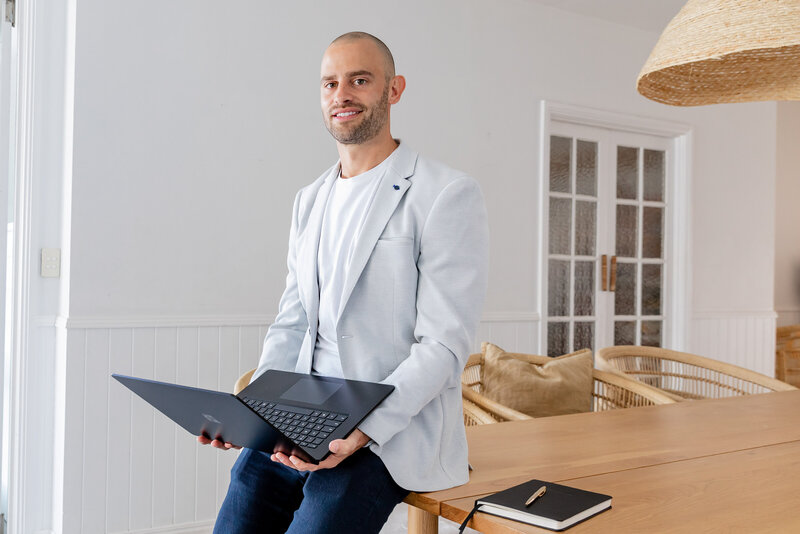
(346, 114)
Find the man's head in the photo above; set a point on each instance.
(357, 86)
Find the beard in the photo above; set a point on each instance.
(371, 124)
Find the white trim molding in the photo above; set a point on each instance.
(509, 317)
(717, 314)
(556, 111)
(180, 321)
(162, 321)
(26, 468)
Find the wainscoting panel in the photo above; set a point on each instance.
(744, 339)
(128, 468)
(514, 332)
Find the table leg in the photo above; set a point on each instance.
(422, 522)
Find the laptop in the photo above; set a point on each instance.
(292, 413)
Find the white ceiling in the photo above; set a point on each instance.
(649, 15)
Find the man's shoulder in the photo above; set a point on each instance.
(434, 169)
(431, 177)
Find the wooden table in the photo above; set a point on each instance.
(734, 462)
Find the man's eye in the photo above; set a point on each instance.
(329, 85)
(359, 81)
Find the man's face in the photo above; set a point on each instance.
(354, 92)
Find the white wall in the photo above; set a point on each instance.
(190, 143)
(787, 215)
(196, 122)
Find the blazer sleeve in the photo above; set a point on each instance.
(453, 273)
(285, 336)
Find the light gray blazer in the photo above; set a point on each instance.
(413, 299)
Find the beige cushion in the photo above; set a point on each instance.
(538, 385)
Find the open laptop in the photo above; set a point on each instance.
(293, 413)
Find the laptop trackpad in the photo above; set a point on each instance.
(311, 391)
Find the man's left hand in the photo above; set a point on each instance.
(340, 449)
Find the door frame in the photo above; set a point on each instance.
(678, 299)
(43, 130)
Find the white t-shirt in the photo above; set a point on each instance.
(347, 207)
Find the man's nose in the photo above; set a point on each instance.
(342, 94)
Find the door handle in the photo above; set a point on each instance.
(604, 272)
(613, 273)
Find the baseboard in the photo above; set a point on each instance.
(202, 527)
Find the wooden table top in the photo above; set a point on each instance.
(577, 446)
(753, 490)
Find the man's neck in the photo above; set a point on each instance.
(358, 159)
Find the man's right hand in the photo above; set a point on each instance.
(225, 446)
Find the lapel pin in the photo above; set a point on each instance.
(396, 187)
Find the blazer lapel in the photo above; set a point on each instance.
(308, 283)
(393, 186)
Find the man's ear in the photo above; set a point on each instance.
(398, 85)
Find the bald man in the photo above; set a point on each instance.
(387, 276)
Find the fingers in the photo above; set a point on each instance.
(296, 463)
(217, 444)
(292, 461)
(342, 447)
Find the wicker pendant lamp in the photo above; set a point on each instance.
(721, 51)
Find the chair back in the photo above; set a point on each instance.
(610, 391)
(685, 376)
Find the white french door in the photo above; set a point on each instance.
(607, 244)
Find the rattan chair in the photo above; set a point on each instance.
(243, 381)
(685, 376)
(787, 354)
(610, 391)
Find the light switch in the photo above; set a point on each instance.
(51, 262)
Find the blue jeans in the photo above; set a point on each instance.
(265, 497)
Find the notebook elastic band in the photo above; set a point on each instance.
(469, 516)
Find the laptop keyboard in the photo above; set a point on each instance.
(307, 428)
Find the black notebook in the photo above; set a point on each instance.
(559, 508)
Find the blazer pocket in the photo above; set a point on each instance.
(395, 240)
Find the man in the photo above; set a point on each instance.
(387, 275)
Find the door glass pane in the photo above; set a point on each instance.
(560, 225)
(586, 179)
(558, 289)
(585, 227)
(625, 333)
(560, 159)
(653, 175)
(652, 233)
(626, 231)
(651, 289)
(557, 339)
(584, 288)
(584, 336)
(625, 294)
(651, 333)
(627, 172)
